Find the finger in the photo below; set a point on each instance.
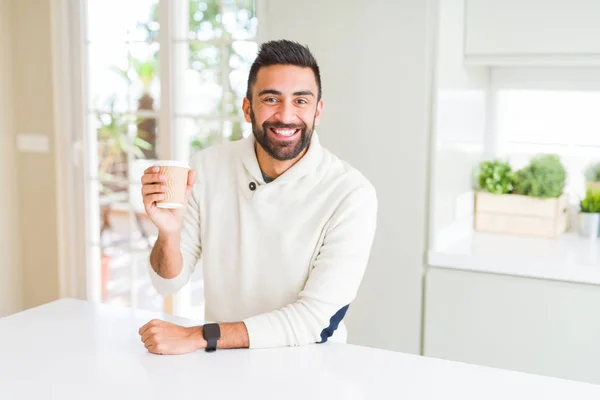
(143, 329)
(190, 184)
(151, 169)
(153, 189)
(152, 198)
(153, 178)
(191, 178)
(149, 335)
(146, 326)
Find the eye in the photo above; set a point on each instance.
(302, 101)
(270, 100)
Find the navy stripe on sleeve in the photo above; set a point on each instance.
(334, 322)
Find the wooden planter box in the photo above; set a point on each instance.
(521, 215)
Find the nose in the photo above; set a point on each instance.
(286, 113)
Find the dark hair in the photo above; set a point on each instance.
(283, 52)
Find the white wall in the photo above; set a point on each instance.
(459, 122)
(34, 113)
(10, 279)
(375, 62)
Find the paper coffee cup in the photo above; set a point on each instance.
(177, 177)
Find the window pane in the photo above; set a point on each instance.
(235, 129)
(108, 83)
(147, 27)
(124, 77)
(115, 231)
(204, 20)
(120, 21)
(143, 76)
(549, 117)
(199, 134)
(124, 278)
(198, 80)
(126, 238)
(122, 141)
(239, 20)
(114, 145)
(203, 56)
(562, 122)
(208, 21)
(242, 54)
(146, 138)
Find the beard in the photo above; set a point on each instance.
(282, 150)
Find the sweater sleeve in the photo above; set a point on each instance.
(332, 284)
(191, 249)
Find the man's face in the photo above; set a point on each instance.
(284, 110)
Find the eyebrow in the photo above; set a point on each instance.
(278, 93)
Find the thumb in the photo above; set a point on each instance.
(190, 184)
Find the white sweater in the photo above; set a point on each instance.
(286, 258)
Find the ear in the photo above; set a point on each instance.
(318, 112)
(246, 109)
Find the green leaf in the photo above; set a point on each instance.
(591, 202)
(141, 143)
(544, 177)
(495, 177)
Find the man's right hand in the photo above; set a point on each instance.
(168, 221)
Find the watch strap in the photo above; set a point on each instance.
(211, 345)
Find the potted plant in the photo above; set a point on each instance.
(592, 176)
(145, 71)
(544, 177)
(526, 202)
(589, 216)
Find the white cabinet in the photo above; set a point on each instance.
(549, 31)
(530, 325)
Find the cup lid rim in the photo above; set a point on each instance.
(170, 163)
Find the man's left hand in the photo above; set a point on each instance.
(161, 337)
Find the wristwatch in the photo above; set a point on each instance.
(212, 333)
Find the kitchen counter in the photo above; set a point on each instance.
(567, 258)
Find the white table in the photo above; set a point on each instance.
(71, 349)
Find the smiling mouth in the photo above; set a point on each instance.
(284, 132)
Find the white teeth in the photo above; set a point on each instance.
(284, 132)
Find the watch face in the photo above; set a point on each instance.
(211, 331)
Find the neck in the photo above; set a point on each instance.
(274, 168)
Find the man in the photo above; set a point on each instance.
(284, 227)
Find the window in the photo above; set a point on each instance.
(549, 111)
(164, 78)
